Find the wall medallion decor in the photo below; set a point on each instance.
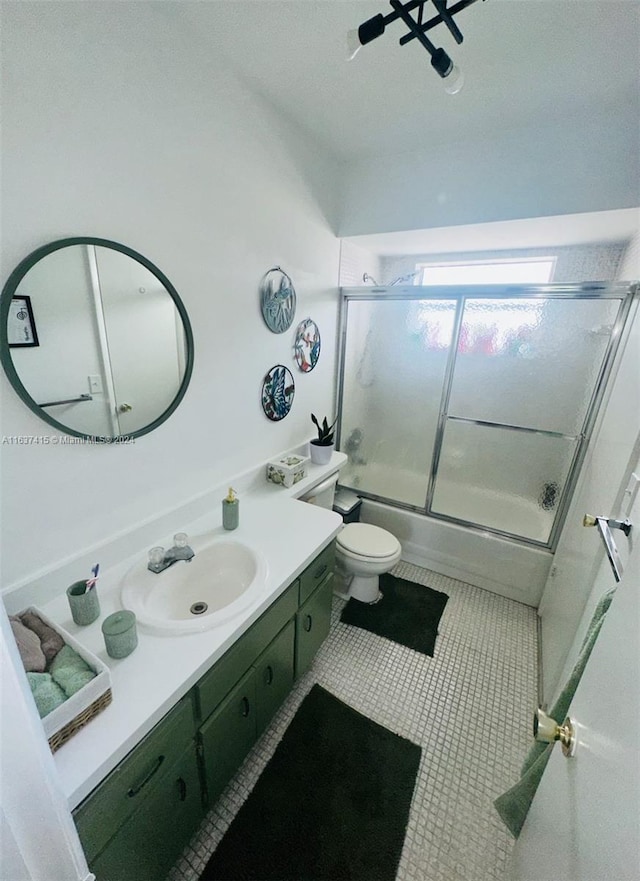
(277, 300)
(306, 347)
(278, 389)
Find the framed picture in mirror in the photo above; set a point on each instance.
(21, 325)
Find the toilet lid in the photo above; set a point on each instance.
(367, 540)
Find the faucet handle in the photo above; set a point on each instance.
(156, 556)
(181, 539)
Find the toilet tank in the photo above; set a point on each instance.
(322, 493)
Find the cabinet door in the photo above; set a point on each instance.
(151, 840)
(312, 624)
(274, 675)
(109, 806)
(228, 735)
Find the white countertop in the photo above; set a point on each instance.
(147, 683)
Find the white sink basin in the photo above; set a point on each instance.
(222, 580)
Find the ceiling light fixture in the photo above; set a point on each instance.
(440, 61)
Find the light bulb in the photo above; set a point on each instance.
(454, 81)
(353, 44)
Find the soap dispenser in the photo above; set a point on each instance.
(230, 510)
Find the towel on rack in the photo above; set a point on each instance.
(28, 643)
(47, 694)
(50, 640)
(513, 805)
(70, 671)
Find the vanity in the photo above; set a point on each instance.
(149, 806)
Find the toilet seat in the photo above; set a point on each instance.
(365, 540)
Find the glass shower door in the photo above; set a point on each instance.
(526, 371)
(395, 359)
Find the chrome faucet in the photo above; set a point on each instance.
(159, 559)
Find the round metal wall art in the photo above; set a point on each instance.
(277, 300)
(306, 347)
(278, 389)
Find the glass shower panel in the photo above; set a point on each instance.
(395, 359)
(531, 362)
(502, 478)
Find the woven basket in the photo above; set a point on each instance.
(63, 722)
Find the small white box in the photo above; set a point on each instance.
(63, 722)
(287, 471)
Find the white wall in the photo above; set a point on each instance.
(587, 164)
(119, 124)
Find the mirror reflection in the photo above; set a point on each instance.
(95, 338)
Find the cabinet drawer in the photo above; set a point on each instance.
(148, 844)
(274, 675)
(228, 735)
(103, 812)
(315, 574)
(313, 622)
(215, 684)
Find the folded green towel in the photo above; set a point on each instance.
(70, 671)
(50, 640)
(513, 805)
(47, 694)
(28, 643)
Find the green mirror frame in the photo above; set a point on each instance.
(9, 291)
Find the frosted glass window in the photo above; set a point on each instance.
(531, 362)
(507, 480)
(538, 271)
(396, 355)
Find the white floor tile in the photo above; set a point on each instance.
(469, 708)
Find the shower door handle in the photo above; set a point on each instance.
(605, 525)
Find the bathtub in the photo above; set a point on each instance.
(504, 566)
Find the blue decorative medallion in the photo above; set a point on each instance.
(278, 389)
(277, 300)
(307, 345)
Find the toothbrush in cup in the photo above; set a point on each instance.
(91, 582)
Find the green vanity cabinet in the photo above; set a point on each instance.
(136, 822)
(313, 621)
(147, 808)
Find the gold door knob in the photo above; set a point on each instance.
(124, 408)
(547, 730)
(589, 520)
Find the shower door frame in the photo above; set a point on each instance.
(459, 294)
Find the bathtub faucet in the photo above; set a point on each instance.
(159, 559)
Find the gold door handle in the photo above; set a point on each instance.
(124, 408)
(547, 730)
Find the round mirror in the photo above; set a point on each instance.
(95, 339)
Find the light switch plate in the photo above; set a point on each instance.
(95, 384)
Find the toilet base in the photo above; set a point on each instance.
(365, 588)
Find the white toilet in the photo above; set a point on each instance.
(363, 553)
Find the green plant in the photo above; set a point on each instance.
(325, 432)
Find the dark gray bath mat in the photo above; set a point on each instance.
(332, 803)
(408, 613)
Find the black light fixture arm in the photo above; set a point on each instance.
(437, 19)
(375, 27)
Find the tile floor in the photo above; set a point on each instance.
(469, 708)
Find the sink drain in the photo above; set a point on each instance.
(198, 608)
